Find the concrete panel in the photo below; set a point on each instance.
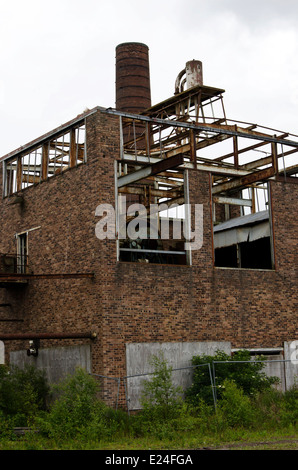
(177, 355)
(57, 362)
(291, 366)
(2, 353)
(275, 367)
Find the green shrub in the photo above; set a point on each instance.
(247, 375)
(7, 424)
(235, 406)
(74, 406)
(78, 413)
(23, 393)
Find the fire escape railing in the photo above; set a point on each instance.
(12, 263)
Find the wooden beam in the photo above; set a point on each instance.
(274, 158)
(72, 153)
(19, 174)
(31, 179)
(244, 180)
(193, 148)
(45, 159)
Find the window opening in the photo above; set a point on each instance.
(151, 219)
(50, 158)
(22, 253)
(10, 176)
(242, 229)
(151, 233)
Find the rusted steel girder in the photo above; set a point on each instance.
(212, 128)
(151, 170)
(244, 180)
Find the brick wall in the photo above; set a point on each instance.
(135, 302)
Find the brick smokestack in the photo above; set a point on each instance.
(133, 92)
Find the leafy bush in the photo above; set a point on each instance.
(235, 406)
(7, 424)
(23, 393)
(246, 375)
(74, 406)
(77, 411)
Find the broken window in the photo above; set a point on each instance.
(49, 158)
(152, 232)
(151, 221)
(253, 255)
(10, 177)
(242, 230)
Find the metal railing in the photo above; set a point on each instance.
(11, 263)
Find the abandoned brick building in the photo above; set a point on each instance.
(212, 205)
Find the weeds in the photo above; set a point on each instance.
(77, 419)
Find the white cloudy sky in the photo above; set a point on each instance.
(58, 57)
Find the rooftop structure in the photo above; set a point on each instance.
(147, 224)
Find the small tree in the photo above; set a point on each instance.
(160, 397)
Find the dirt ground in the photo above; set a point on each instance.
(285, 444)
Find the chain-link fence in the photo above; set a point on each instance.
(127, 391)
(109, 389)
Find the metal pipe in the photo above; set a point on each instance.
(20, 276)
(32, 336)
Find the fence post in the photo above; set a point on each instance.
(126, 397)
(212, 386)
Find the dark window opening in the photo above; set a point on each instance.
(256, 254)
(249, 255)
(153, 251)
(226, 257)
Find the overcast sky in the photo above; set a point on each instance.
(58, 57)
